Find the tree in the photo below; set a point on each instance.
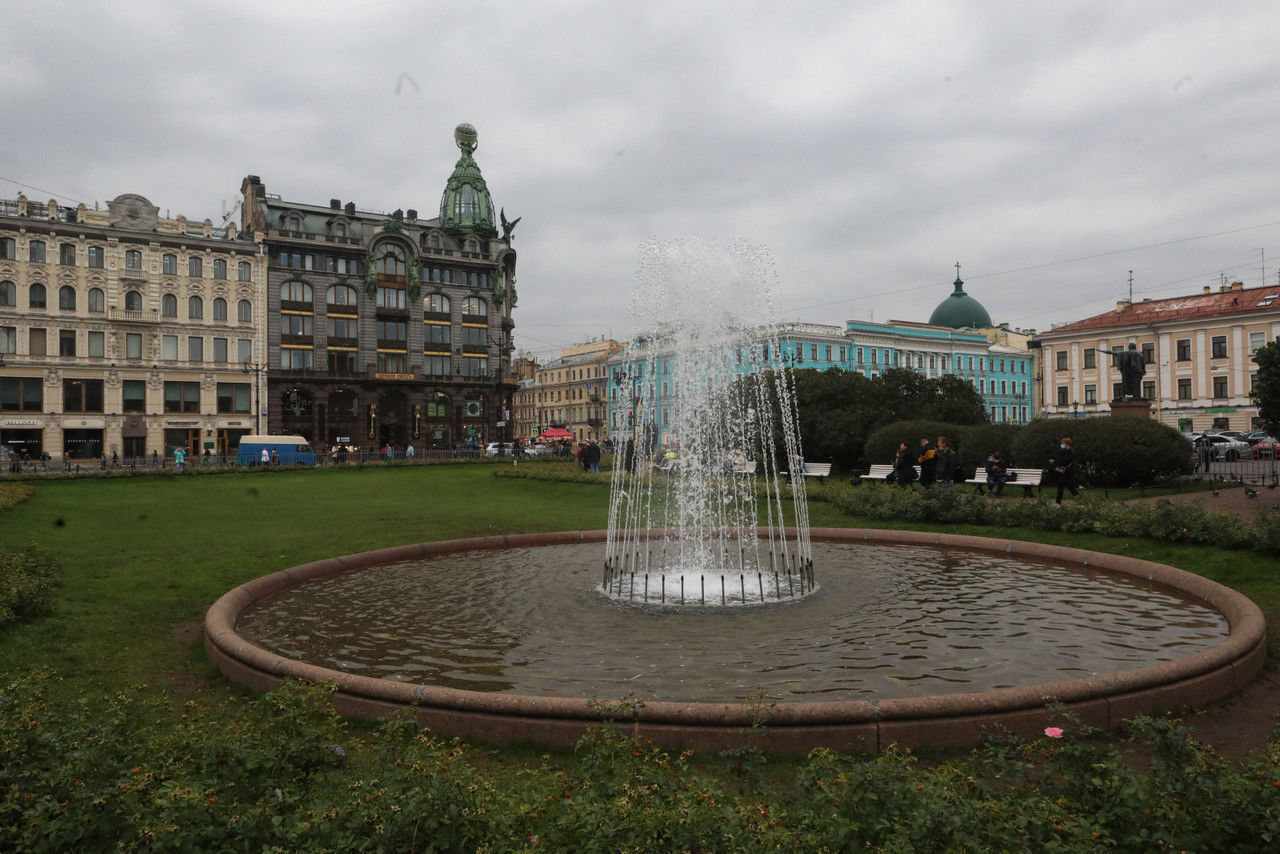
(1266, 385)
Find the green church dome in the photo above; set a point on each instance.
(466, 204)
(960, 310)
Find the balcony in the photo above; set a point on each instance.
(132, 316)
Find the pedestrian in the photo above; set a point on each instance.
(928, 462)
(946, 464)
(45, 457)
(904, 472)
(591, 457)
(265, 457)
(408, 452)
(1063, 463)
(155, 458)
(997, 472)
(580, 454)
(629, 456)
(179, 457)
(115, 460)
(275, 457)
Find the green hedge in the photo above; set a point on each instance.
(27, 581)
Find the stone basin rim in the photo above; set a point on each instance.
(1194, 679)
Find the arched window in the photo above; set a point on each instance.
(295, 291)
(67, 298)
(169, 306)
(436, 303)
(37, 297)
(343, 295)
(244, 311)
(340, 229)
(219, 309)
(475, 306)
(133, 302)
(391, 264)
(133, 260)
(97, 301)
(8, 294)
(195, 308)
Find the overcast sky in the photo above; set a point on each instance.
(1049, 148)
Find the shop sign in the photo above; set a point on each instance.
(1220, 409)
(343, 440)
(396, 377)
(15, 422)
(182, 424)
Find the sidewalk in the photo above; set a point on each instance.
(1231, 498)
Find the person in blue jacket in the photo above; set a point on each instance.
(1063, 463)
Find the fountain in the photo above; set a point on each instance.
(707, 397)
(710, 596)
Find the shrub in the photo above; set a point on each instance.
(1110, 450)
(13, 494)
(27, 581)
(882, 444)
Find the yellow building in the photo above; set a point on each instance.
(571, 392)
(1197, 351)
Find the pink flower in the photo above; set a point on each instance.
(1053, 731)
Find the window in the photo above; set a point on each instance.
(392, 330)
(391, 265)
(169, 348)
(132, 301)
(97, 345)
(66, 342)
(1090, 357)
(244, 271)
(295, 291)
(1148, 353)
(233, 397)
(134, 396)
(8, 249)
(295, 324)
(67, 298)
(341, 327)
(195, 308)
(244, 350)
(1149, 389)
(81, 395)
(1061, 357)
(475, 306)
(1256, 341)
(1183, 348)
(195, 267)
(219, 268)
(436, 303)
(219, 309)
(392, 298)
(182, 397)
(8, 339)
(169, 265)
(295, 260)
(67, 254)
(342, 362)
(133, 345)
(435, 333)
(436, 366)
(220, 350)
(97, 300)
(1062, 395)
(1219, 386)
(475, 366)
(24, 394)
(295, 359)
(342, 295)
(36, 343)
(195, 348)
(1184, 388)
(244, 311)
(475, 336)
(35, 251)
(169, 306)
(392, 363)
(8, 294)
(1218, 347)
(132, 259)
(1091, 394)
(96, 257)
(36, 296)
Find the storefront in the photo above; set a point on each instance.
(22, 436)
(82, 443)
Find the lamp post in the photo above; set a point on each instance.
(257, 371)
(1075, 409)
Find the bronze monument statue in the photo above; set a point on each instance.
(1132, 369)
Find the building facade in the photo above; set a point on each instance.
(1197, 351)
(570, 393)
(389, 328)
(124, 333)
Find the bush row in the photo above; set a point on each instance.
(1110, 450)
(284, 773)
(27, 581)
(12, 494)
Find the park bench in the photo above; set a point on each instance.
(882, 472)
(819, 470)
(745, 467)
(667, 466)
(1025, 478)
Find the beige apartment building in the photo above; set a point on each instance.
(571, 392)
(124, 333)
(1197, 349)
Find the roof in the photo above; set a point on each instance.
(960, 310)
(1150, 312)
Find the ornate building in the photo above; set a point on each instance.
(570, 392)
(388, 328)
(123, 332)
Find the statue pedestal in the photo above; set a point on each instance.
(1137, 408)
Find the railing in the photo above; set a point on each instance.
(132, 316)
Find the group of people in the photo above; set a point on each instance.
(588, 455)
(938, 465)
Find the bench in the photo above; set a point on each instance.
(1026, 478)
(667, 466)
(882, 472)
(818, 470)
(745, 467)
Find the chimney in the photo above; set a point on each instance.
(398, 216)
(1237, 286)
(350, 209)
(413, 214)
(1123, 305)
(1207, 289)
(335, 203)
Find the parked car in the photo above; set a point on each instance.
(1265, 449)
(1259, 436)
(498, 449)
(1222, 447)
(1230, 434)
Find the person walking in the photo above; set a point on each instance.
(928, 461)
(1064, 464)
(265, 458)
(591, 457)
(179, 457)
(946, 464)
(997, 472)
(903, 470)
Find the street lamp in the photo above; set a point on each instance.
(257, 371)
(1075, 409)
